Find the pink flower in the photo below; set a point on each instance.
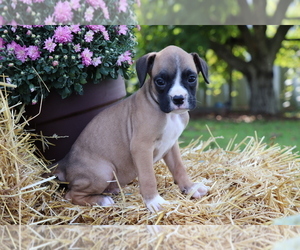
(21, 53)
(38, 1)
(86, 55)
(104, 9)
(89, 36)
(63, 12)
(55, 63)
(105, 12)
(2, 42)
(123, 5)
(96, 61)
(27, 26)
(89, 14)
(100, 28)
(14, 4)
(62, 34)
(33, 52)
(26, 1)
(125, 57)
(104, 32)
(77, 47)
(95, 28)
(34, 102)
(100, 4)
(49, 20)
(13, 23)
(122, 29)
(2, 21)
(49, 44)
(11, 47)
(32, 88)
(94, 3)
(75, 4)
(75, 28)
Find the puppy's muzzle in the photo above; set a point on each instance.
(178, 100)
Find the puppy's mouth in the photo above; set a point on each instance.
(179, 104)
(178, 110)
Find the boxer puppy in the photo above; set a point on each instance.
(126, 139)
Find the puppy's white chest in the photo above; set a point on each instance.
(171, 132)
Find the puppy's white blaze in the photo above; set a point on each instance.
(177, 88)
(173, 129)
(154, 205)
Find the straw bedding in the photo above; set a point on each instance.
(251, 183)
(149, 237)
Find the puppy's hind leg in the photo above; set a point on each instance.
(85, 191)
(83, 199)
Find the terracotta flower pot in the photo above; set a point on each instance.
(68, 117)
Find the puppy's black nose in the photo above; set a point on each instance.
(178, 100)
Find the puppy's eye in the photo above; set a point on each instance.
(192, 79)
(160, 82)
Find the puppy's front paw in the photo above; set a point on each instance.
(197, 190)
(154, 205)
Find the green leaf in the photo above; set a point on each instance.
(78, 88)
(112, 74)
(61, 79)
(18, 62)
(65, 92)
(104, 71)
(98, 74)
(30, 76)
(83, 81)
(47, 69)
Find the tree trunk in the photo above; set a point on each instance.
(262, 98)
(259, 70)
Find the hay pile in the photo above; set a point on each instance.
(150, 237)
(251, 183)
(22, 189)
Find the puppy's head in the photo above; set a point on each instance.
(174, 77)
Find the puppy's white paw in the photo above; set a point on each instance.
(198, 190)
(154, 205)
(105, 201)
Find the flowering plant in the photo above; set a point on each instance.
(38, 59)
(51, 12)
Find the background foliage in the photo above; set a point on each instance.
(190, 12)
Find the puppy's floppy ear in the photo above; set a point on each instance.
(144, 66)
(201, 66)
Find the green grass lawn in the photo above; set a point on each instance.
(283, 132)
